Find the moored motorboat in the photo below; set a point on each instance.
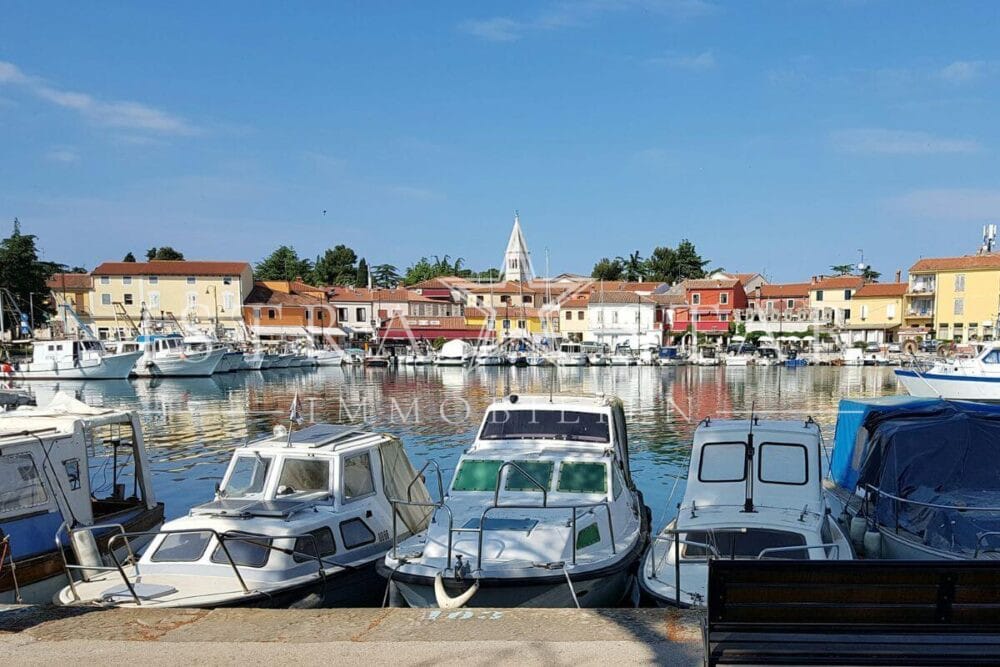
(71, 476)
(571, 354)
(299, 521)
(754, 490)
(166, 355)
(542, 512)
(69, 359)
(454, 353)
(975, 379)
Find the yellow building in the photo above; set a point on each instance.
(830, 297)
(876, 313)
(509, 322)
(199, 295)
(573, 323)
(70, 294)
(957, 298)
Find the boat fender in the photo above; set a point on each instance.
(444, 601)
(873, 544)
(857, 531)
(86, 551)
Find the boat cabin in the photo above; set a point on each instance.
(66, 353)
(162, 343)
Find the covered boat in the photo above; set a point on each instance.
(919, 478)
(542, 512)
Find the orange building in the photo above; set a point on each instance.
(284, 309)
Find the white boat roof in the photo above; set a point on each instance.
(597, 403)
(60, 415)
(320, 438)
(787, 464)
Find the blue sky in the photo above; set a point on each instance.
(779, 136)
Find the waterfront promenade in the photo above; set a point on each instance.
(40, 635)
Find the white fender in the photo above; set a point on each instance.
(446, 602)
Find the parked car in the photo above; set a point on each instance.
(894, 348)
(929, 346)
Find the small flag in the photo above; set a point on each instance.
(295, 415)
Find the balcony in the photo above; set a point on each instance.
(921, 287)
(920, 314)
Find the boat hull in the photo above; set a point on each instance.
(195, 365)
(111, 367)
(961, 387)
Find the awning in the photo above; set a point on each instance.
(870, 327)
(264, 329)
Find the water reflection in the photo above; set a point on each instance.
(192, 425)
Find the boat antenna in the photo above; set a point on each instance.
(748, 464)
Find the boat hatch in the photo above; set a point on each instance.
(319, 435)
(520, 525)
(745, 543)
(276, 509)
(142, 590)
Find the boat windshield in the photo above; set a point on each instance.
(546, 425)
(247, 478)
(744, 543)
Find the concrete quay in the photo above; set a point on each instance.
(47, 635)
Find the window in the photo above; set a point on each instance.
(20, 486)
(105, 299)
(504, 298)
(476, 475)
(959, 282)
(890, 311)
(247, 477)
(126, 280)
(864, 311)
(722, 462)
(617, 484)
(227, 280)
(128, 299)
(959, 307)
(614, 317)
(154, 300)
(355, 533)
(304, 476)
(541, 471)
(723, 317)
(746, 544)
(546, 425)
(342, 314)
(359, 315)
(227, 301)
(305, 548)
(506, 324)
(846, 313)
(190, 280)
(847, 295)
(583, 478)
(358, 479)
(192, 300)
(695, 299)
(153, 280)
(779, 463)
(724, 298)
(105, 280)
(102, 333)
(183, 547)
(251, 551)
(569, 315)
(579, 314)
(271, 314)
(819, 295)
(520, 324)
(790, 303)
(993, 357)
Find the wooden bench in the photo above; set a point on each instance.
(852, 612)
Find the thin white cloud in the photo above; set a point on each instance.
(964, 71)
(62, 155)
(873, 141)
(699, 61)
(949, 204)
(122, 114)
(569, 14)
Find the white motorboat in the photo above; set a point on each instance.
(738, 360)
(755, 491)
(571, 354)
(324, 357)
(165, 355)
(623, 359)
(199, 344)
(71, 476)
(489, 355)
(454, 353)
(537, 358)
(67, 359)
(254, 361)
(299, 520)
(517, 358)
(354, 356)
(542, 512)
(975, 379)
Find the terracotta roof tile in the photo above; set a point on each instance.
(838, 282)
(69, 281)
(784, 290)
(615, 296)
(170, 268)
(711, 283)
(987, 261)
(881, 290)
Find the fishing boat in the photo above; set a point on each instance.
(325, 357)
(755, 491)
(166, 355)
(571, 354)
(71, 477)
(69, 359)
(254, 360)
(976, 378)
(918, 478)
(542, 512)
(623, 356)
(489, 355)
(300, 519)
(354, 356)
(199, 344)
(454, 353)
(376, 360)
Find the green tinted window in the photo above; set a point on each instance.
(583, 478)
(588, 536)
(476, 475)
(541, 471)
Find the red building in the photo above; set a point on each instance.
(710, 306)
(780, 298)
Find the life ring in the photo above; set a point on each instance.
(910, 347)
(444, 601)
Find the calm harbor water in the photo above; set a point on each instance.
(192, 425)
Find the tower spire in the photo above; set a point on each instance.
(517, 259)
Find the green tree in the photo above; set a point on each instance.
(689, 264)
(842, 269)
(129, 257)
(870, 275)
(164, 253)
(385, 275)
(336, 266)
(635, 266)
(283, 264)
(662, 265)
(21, 271)
(608, 269)
(424, 269)
(362, 275)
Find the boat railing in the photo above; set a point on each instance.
(409, 502)
(221, 538)
(71, 567)
(981, 537)
(873, 492)
(808, 547)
